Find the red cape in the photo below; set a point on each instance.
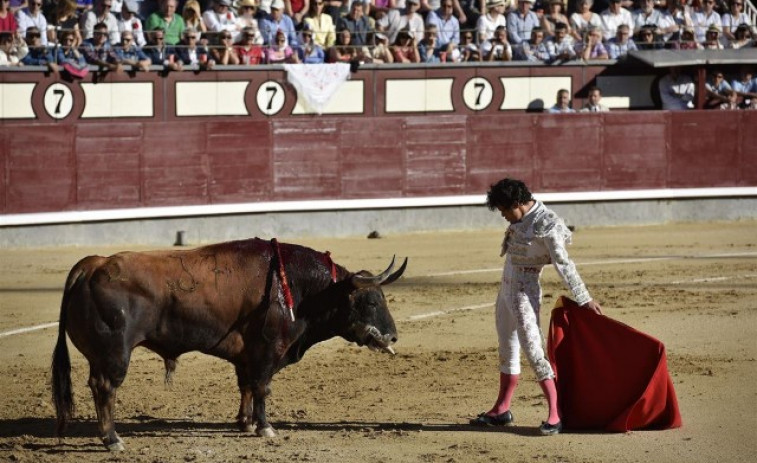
(610, 377)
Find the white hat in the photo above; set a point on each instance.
(278, 4)
(493, 3)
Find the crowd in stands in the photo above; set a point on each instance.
(208, 33)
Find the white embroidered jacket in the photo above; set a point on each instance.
(540, 238)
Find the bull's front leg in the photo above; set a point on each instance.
(260, 391)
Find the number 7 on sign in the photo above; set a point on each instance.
(477, 94)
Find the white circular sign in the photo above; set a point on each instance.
(477, 93)
(59, 101)
(270, 97)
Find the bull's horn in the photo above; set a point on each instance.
(391, 278)
(362, 281)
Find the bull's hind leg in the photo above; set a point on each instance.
(103, 383)
(244, 417)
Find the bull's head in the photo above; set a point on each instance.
(371, 324)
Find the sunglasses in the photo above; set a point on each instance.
(192, 37)
(228, 37)
(126, 39)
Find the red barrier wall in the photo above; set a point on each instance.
(104, 165)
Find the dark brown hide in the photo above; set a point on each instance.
(224, 300)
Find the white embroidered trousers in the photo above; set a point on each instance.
(517, 320)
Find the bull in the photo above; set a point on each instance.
(257, 304)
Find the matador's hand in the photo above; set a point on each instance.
(593, 306)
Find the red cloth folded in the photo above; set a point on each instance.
(610, 377)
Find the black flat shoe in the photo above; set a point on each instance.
(503, 419)
(547, 429)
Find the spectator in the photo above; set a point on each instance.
(219, 17)
(246, 11)
(224, 53)
(12, 50)
(734, 19)
(129, 21)
(159, 53)
(343, 50)
(7, 18)
(447, 25)
(98, 51)
(647, 39)
(647, 15)
(276, 21)
(520, 22)
(387, 20)
(675, 19)
(467, 51)
(429, 49)
(308, 51)
(745, 86)
(534, 50)
(32, 17)
(168, 21)
(584, 19)
(248, 51)
(192, 16)
(676, 90)
(705, 18)
(562, 105)
(296, 9)
(188, 52)
(498, 48)
(381, 53)
(358, 24)
(404, 49)
(594, 105)
(560, 46)
(619, 46)
(64, 17)
(130, 54)
(687, 41)
(101, 14)
(712, 39)
(470, 12)
(280, 51)
(554, 15)
(591, 48)
(716, 88)
(39, 54)
(489, 22)
(731, 102)
(412, 20)
(742, 37)
(613, 17)
(322, 25)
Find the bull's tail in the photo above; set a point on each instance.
(63, 395)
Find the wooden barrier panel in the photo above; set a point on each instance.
(59, 167)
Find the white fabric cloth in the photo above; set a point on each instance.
(539, 238)
(317, 83)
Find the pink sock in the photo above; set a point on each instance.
(507, 384)
(550, 392)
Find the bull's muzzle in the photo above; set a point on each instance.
(377, 341)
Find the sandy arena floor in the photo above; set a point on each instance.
(693, 286)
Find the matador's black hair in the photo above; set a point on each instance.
(507, 193)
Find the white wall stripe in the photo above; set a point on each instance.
(46, 218)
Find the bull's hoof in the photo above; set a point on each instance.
(246, 427)
(266, 432)
(114, 446)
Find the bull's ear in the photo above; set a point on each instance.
(394, 276)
